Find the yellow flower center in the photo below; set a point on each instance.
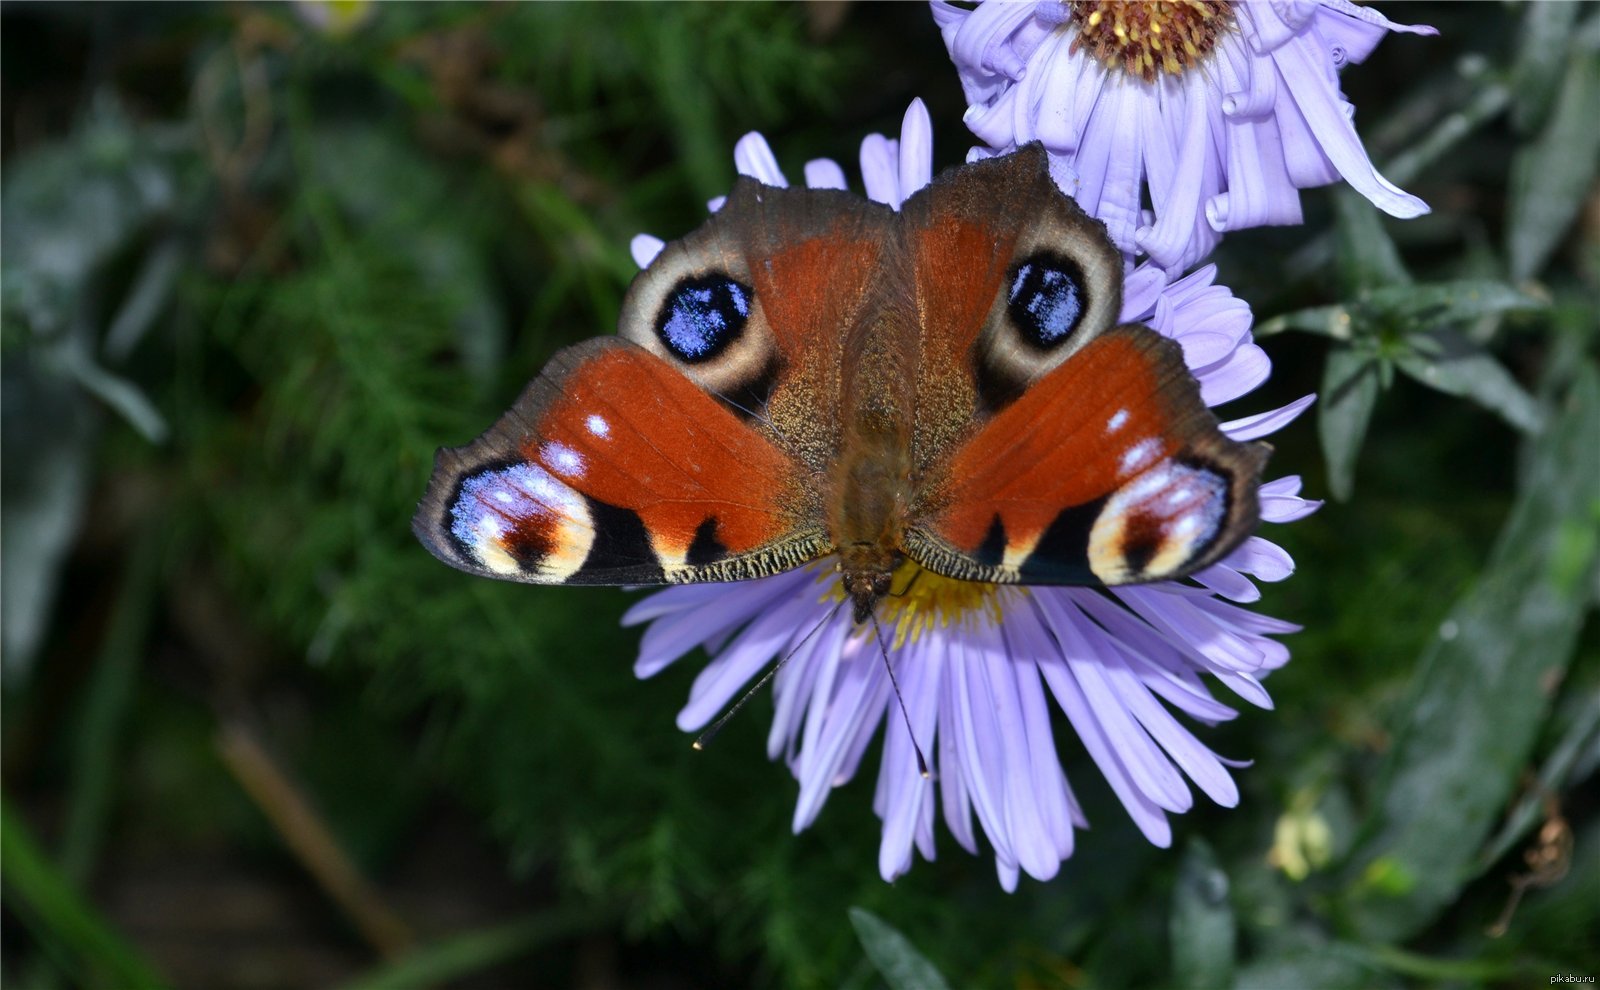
(920, 600)
(1146, 37)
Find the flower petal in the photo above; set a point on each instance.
(860, 690)
(825, 173)
(1324, 113)
(644, 249)
(752, 156)
(916, 149)
(1262, 558)
(1271, 421)
(880, 170)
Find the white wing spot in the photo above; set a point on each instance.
(598, 426)
(1140, 455)
(1117, 420)
(563, 459)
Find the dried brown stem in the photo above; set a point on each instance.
(309, 838)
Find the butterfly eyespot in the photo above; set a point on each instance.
(702, 315)
(1160, 523)
(1047, 298)
(516, 518)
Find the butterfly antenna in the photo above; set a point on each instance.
(909, 585)
(922, 762)
(759, 417)
(704, 739)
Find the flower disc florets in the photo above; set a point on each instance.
(920, 601)
(1144, 37)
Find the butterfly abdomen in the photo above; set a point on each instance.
(871, 487)
(870, 496)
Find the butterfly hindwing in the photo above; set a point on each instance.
(614, 468)
(1108, 470)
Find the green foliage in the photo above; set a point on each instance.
(66, 925)
(1203, 925)
(896, 959)
(1490, 665)
(1551, 176)
(264, 270)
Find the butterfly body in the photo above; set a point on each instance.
(811, 374)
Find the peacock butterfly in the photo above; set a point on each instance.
(811, 373)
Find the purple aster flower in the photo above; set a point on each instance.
(978, 664)
(1214, 113)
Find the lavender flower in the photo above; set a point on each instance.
(1219, 112)
(977, 663)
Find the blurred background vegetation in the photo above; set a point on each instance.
(260, 260)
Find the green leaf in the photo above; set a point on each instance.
(1542, 44)
(1333, 322)
(1481, 693)
(374, 175)
(121, 394)
(49, 467)
(1367, 256)
(1576, 726)
(897, 960)
(1489, 96)
(1349, 392)
(1405, 307)
(1551, 176)
(1441, 303)
(1202, 922)
(61, 918)
(1446, 361)
(686, 96)
(458, 957)
(1300, 956)
(146, 299)
(99, 758)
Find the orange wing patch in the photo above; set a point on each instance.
(632, 432)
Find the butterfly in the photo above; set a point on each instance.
(811, 374)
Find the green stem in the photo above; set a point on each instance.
(95, 757)
(459, 956)
(62, 920)
(1486, 104)
(1444, 970)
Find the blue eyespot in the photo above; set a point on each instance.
(702, 315)
(1047, 298)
